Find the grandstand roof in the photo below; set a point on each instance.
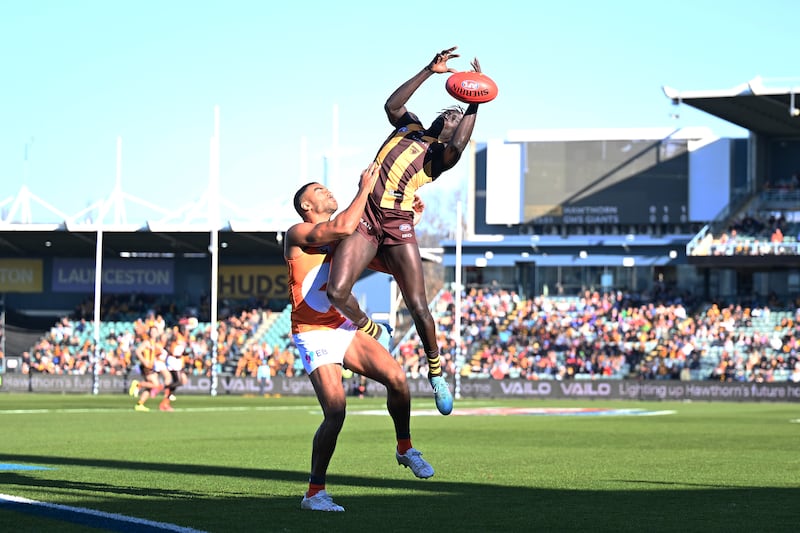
(771, 111)
(57, 240)
(179, 230)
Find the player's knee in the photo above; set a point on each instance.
(335, 415)
(397, 381)
(336, 293)
(419, 310)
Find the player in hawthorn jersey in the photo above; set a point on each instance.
(152, 356)
(411, 157)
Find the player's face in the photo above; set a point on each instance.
(451, 120)
(322, 199)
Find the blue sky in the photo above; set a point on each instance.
(78, 74)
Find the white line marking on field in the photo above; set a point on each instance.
(536, 411)
(67, 509)
(180, 409)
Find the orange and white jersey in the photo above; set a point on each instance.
(308, 279)
(178, 347)
(160, 364)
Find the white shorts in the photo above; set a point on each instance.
(174, 364)
(324, 346)
(159, 366)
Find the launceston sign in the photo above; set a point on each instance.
(466, 388)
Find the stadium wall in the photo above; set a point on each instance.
(474, 389)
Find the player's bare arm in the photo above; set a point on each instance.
(140, 353)
(395, 105)
(319, 228)
(463, 133)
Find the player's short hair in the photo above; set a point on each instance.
(298, 195)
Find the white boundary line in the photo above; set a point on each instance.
(572, 412)
(66, 509)
(181, 409)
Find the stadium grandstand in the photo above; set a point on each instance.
(585, 255)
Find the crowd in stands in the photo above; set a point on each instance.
(69, 346)
(789, 184)
(759, 233)
(614, 335)
(658, 335)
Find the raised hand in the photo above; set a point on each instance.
(439, 62)
(476, 65)
(369, 176)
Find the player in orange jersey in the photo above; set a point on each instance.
(327, 341)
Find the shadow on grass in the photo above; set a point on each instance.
(443, 506)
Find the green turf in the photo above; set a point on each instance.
(241, 464)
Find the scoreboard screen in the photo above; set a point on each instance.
(605, 181)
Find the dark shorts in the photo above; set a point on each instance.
(387, 226)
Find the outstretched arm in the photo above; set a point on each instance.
(463, 133)
(342, 225)
(395, 105)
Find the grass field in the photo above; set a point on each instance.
(241, 464)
